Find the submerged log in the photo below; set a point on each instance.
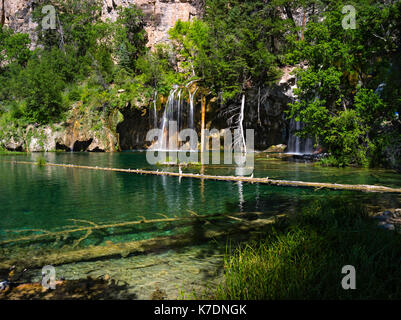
(93, 227)
(272, 182)
(124, 249)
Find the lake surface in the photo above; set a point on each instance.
(48, 198)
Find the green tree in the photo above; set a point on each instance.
(232, 49)
(14, 47)
(130, 36)
(41, 88)
(336, 91)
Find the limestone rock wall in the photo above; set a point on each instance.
(18, 16)
(160, 15)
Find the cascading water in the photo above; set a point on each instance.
(176, 110)
(191, 108)
(167, 116)
(296, 144)
(155, 111)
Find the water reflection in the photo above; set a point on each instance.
(47, 197)
(240, 196)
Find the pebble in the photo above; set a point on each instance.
(381, 218)
(3, 285)
(384, 218)
(387, 226)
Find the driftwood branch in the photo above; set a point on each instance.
(94, 226)
(124, 249)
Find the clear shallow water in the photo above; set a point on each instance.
(35, 197)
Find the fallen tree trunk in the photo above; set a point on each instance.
(93, 226)
(284, 183)
(128, 248)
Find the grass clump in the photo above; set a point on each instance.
(304, 259)
(41, 162)
(6, 152)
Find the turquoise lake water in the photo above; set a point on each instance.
(47, 198)
(35, 197)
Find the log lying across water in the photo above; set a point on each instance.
(272, 182)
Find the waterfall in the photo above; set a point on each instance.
(296, 144)
(191, 104)
(380, 88)
(176, 110)
(191, 108)
(155, 110)
(167, 116)
(179, 110)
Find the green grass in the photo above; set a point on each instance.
(6, 152)
(41, 162)
(304, 259)
(175, 162)
(11, 153)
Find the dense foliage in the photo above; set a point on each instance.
(348, 94)
(235, 47)
(84, 60)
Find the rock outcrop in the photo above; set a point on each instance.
(81, 132)
(18, 16)
(160, 15)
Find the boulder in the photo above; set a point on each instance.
(277, 148)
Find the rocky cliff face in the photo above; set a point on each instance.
(264, 112)
(160, 15)
(18, 16)
(83, 131)
(264, 106)
(80, 133)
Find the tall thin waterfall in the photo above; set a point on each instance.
(155, 110)
(191, 108)
(176, 110)
(167, 116)
(179, 109)
(296, 144)
(191, 104)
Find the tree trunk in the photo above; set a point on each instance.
(3, 14)
(303, 26)
(203, 112)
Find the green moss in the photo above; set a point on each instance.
(41, 162)
(6, 152)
